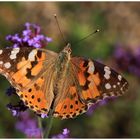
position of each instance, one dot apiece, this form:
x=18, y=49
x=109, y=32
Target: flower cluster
x=128, y=60
x=15, y=109
x=28, y=126
x=64, y=134
x=30, y=37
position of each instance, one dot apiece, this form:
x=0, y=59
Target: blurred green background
x=118, y=23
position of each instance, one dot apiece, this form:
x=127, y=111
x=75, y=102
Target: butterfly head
x=67, y=49
x=66, y=52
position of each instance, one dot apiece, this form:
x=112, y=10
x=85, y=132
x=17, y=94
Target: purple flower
x=26, y=33
x=30, y=37
x=100, y=103
x=33, y=133
x=127, y=60
x=27, y=125
x=44, y=116
x=27, y=25
x=65, y=131
x=10, y=91
x=48, y=39
x=14, y=112
x=16, y=109
x=64, y=134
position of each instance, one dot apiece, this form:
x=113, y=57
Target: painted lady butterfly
x=67, y=85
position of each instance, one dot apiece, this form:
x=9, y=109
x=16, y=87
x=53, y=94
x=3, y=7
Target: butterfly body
x=62, y=63
x=67, y=85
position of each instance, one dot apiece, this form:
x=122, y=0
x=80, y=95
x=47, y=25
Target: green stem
x=49, y=126
x=40, y=126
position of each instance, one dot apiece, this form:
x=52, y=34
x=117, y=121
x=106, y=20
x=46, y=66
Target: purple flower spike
x=100, y=103
x=30, y=37
x=37, y=28
x=64, y=134
x=14, y=112
x=26, y=33
x=127, y=60
x=48, y=39
x=27, y=25
x=44, y=116
x=28, y=125
x=8, y=37
x=10, y=91
x=33, y=133
x=66, y=131
x=15, y=45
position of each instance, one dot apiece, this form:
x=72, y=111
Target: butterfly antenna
x=94, y=32
x=55, y=16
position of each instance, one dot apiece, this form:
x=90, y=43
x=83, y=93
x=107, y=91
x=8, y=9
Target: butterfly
x=58, y=83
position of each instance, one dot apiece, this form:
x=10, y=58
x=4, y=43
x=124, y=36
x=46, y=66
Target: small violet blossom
x=100, y=103
x=64, y=134
x=127, y=60
x=28, y=125
x=30, y=37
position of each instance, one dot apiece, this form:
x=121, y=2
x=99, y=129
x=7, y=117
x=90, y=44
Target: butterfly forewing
x=30, y=71
x=97, y=80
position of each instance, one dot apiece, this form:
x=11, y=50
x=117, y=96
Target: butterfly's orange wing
x=89, y=82
x=30, y=71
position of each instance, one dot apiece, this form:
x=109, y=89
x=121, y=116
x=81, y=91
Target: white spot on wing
x=106, y=68
x=119, y=77
x=121, y=88
x=7, y=65
x=118, y=83
x=107, y=72
x=32, y=54
x=91, y=67
x=14, y=53
x=1, y=51
x=107, y=86
x=114, y=86
x=1, y=62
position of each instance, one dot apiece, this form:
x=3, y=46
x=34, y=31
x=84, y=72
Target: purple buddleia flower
x=30, y=37
x=64, y=134
x=28, y=125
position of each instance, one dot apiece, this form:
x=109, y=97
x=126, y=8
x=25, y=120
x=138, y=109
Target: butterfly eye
x=69, y=50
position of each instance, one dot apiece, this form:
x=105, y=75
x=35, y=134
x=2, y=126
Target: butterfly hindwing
x=70, y=105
